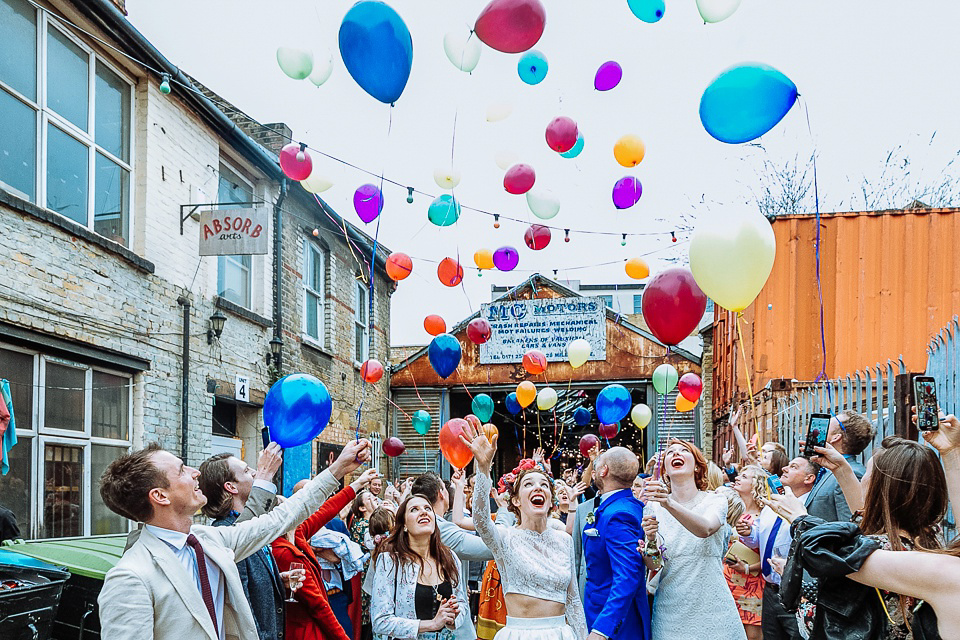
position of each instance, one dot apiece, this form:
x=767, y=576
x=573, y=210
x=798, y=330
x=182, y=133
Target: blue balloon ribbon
x=377, y=49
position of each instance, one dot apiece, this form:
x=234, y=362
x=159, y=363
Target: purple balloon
x=506, y=258
x=368, y=201
x=608, y=76
x=626, y=192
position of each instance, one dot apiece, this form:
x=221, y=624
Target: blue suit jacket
x=616, y=602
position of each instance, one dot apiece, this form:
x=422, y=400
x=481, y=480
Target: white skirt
x=552, y=628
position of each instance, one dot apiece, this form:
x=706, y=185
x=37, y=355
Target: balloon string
x=412, y=377
x=460, y=378
x=539, y=431
x=746, y=370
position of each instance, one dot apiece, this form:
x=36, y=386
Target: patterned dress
x=747, y=589
x=358, y=532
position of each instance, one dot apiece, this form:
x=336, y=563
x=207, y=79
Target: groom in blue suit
x=616, y=591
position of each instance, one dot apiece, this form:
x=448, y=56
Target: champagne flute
x=296, y=566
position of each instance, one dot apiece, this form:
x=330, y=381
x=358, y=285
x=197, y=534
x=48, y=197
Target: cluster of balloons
x=689, y=386
x=300, y=64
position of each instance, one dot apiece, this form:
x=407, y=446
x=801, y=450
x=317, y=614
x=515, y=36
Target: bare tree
x=785, y=189
x=902, y=185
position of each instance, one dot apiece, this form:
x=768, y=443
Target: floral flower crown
x=507, y=479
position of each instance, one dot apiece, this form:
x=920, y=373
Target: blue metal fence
x=943, y=364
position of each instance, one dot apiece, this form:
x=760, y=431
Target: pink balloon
x=519, y=179
x=608, y=76
x=368, y=202
x=690, y=386
x=506, y=258
x=295, y=163
x=537, y=236
x=562, y=134
x=479, y=331
x=511, y=26
x=626, y=192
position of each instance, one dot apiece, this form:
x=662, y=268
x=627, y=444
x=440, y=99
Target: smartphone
x=774, y=484
x=816, y=433
x=265, y=436
x=925, y=399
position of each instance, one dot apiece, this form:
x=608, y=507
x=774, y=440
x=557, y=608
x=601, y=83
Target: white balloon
x=546, y=399
x=296, y=63
x=462, y=49
x=499, y=111
x=447, y=178
x=316, y=183
x=322, y=68
x=543, y=203
x=506, y=159
x=717, y=10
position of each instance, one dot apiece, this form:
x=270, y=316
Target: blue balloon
x=575, y=149
x=532, y=67
x=512, y=405
x=296, y=410
x=444, y=354
x=746, y=101
x=647, y=10
x=377, y=49
x=613, y=404
x=581, y=416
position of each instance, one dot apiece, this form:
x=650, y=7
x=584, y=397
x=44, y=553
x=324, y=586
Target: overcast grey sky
x=873, y=74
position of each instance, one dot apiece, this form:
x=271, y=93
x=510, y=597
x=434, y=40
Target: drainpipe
x=278, y=270
x=185, y=379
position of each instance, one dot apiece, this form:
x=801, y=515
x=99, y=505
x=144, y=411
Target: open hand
x=726, y=458
x=483, y=450
x=577, y=490
x=269, y=462
x=947, y=437
x=594, y=452
x=353, y=455
x=458, y=480
x=538, y=454
x=788, y=505
x=364, y=480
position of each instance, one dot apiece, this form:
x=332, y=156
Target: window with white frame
x=65, y=123
x=72, y=420
x=234, y=273
x=314, y=291
x=360, y=339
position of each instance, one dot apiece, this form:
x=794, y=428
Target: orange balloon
x=450, y=272
x=637, y=268
x=399, y=266
x=629, y=151
x=490, y=430
x=534, y=362
x=434, y=325
x=452, y=448
x=483, y=259
x=683, y=405
x=526, y=393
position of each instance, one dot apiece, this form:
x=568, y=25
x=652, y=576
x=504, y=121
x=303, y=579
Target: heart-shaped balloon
x=421, y=422
x=673, y=305
x=511, y=26
x=444, y=354
x=733, y=284
x=377, y=49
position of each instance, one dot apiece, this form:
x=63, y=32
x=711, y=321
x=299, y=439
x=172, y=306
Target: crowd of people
x=761, y=546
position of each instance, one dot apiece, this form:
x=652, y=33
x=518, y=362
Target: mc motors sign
x=230, y=232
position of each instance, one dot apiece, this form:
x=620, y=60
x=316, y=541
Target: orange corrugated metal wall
x=890, y=281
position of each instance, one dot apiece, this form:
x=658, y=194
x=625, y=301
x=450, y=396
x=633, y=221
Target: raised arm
x=263, y=496
x=933, y=577
x=459, y=500
x=483, y=452
x=832, y=460
x=946, y=440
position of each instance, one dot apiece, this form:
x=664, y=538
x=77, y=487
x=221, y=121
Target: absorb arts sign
x=548, y=325
x=229, y=232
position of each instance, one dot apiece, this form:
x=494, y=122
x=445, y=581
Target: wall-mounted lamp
x=217, y=320
x=276, y=348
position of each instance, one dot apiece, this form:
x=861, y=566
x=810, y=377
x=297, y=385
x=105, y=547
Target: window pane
x=110, y=214
x=638, y=304
x=16, y=491
x=315, y=270
x=110, y=406
x=113, y=113
x=102, y=520
x=233, y=279
x=313, y=328
x=232, y=188
x=18, y=33
x=63, y=407
x=17, y=368
x=361, y=311
x=62, y=491
x=67, y=79
x=224, y=419
x=360, y=339
x=18, y=145
x=67, y=164
x=608, y=301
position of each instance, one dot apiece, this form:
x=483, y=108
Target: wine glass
x=296, y=566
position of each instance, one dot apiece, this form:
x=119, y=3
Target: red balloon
x=399, y=266
x=534, y=362
x=474, y=422
x=562, y=134
x=690, y=386
x=450, y=272
x=511, y=26
x=434, y=325
x=519, y=179
x=673, y=305
x=393, y=446
x=537, y=236
x=588, y=442
x=371, y=371
x=453, y=450
x=609, y=431
x=479, y=331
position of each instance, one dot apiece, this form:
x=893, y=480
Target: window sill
x=308, y=341
x=69, y=226
x=237, y=310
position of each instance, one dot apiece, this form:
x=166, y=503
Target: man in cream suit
x=180, y=580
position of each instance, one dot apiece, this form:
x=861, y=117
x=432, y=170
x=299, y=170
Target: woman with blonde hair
x=745, y=581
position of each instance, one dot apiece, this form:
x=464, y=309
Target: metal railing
x=943, y=364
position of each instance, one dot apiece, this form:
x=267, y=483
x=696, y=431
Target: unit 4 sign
x=227, y=232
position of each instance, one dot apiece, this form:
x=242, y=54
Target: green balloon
x=482, y=406
x=421, y=422
x=444, y=211
x=665, y=378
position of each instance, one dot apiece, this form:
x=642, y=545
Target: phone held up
x=925, y=400
x=816, y=433
x=265, y=435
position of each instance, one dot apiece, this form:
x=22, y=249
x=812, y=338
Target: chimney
x=273, y=135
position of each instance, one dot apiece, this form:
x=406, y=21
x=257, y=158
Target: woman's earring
x=404, y=528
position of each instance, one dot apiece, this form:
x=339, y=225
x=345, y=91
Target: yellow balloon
x=316, y=183
x=731, y=257
x=483, y=259
x=526, y=393
x=578, y=352
x=629, y=151
x=683, y=405
x=637, y=268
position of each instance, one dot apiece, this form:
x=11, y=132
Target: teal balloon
x=421, y=422
x=665, y=378
x=575, y=149
x=613, y=403
x=512, y=405
x=647, y=10
x=532, y=67
x=482, y=407
x=444, y=211
x=377, y=49
x=746, y=101
x=297, y=408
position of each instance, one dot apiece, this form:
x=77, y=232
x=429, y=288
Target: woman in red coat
x=311, y=618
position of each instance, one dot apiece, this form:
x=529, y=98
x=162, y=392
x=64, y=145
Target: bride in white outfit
x=535, y=560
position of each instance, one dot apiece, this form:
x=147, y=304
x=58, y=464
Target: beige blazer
x=149, y=594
